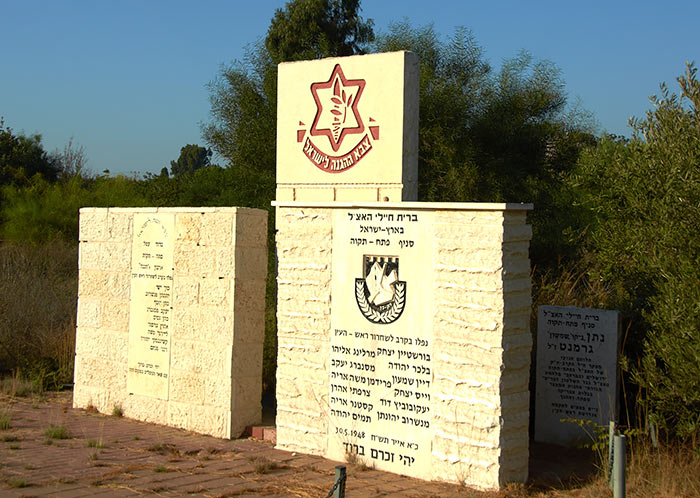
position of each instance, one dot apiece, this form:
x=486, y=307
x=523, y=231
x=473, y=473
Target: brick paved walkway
x=111, y=456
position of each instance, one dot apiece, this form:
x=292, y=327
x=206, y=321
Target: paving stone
x=200, y=465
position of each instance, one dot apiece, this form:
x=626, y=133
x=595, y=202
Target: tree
x=70, y=161
x=493, y=136
x=244, y=108
x=313, y=29
x=244, y=96
x=644, y=200
x=22, y=157
x=192, y=158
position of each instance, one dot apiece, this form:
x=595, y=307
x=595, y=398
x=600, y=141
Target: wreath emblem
x=380, y=295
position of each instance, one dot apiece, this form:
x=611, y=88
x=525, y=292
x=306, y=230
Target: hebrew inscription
x=150, y=310
x=576, y=371
x=381, y=370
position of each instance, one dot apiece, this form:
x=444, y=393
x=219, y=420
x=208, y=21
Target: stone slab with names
x=382, y=338
x=347, y=128
x=150, y=311
x=170, y=323
x=403, y=337
x=576, y=373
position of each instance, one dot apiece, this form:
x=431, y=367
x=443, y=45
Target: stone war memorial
x=403, y=327
x=576, y=374
x=170, y=315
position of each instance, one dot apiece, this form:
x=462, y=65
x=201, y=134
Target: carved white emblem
x=380, y=295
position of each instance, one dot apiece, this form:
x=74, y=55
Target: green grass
x=57, y=432
x=117, y=411
x=160, y=468
x=17, y=483
x=8, y=438
x=5, y=420
x=93, y=443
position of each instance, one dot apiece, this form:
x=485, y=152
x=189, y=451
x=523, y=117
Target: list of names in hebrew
x=381, y=371
x=576, y=371
x=150, y=310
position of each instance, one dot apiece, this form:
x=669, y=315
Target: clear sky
x=127, y=79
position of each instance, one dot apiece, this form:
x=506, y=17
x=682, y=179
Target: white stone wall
x=482, y=347
x=217, y=328
x=481, y=338
x=303, y=328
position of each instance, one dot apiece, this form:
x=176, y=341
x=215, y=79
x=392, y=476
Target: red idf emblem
x=337, y=120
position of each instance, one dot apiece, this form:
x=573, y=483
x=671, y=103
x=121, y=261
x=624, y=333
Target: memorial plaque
x=347, y=128
x=150, y=309
x=381, y=338
x=576, y=371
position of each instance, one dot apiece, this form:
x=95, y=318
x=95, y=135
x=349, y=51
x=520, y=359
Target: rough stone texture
x=217, y=330
x=481, y=337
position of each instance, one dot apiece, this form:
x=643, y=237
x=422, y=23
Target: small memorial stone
x=576, y=372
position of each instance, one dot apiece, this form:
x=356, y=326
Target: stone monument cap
x=347, y=128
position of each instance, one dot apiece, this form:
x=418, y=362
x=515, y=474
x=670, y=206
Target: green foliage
x=192, y=158
x=21, y=158
x=17, y=483
x=244, y=96
x=243, y=106
x=313, y=29
x=494, y=137
x=644, y=197
x=42, y=211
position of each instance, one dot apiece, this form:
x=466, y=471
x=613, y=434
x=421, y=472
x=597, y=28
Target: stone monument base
x=403, y=337
x=170, y=320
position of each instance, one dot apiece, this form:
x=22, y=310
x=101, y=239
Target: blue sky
x=127, y=80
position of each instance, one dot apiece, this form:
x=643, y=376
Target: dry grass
x=666, y=472
x=570, y=285
x=38, y=292
x=671, y=471
x=14, y=385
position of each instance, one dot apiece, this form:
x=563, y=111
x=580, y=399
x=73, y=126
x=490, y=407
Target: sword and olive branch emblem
x=380, y=295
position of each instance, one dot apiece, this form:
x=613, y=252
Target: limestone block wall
x=216, y=322
x=481, y=340
x=303, y=328
x=482, y=347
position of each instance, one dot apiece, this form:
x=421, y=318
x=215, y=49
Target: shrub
x=645, y=198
